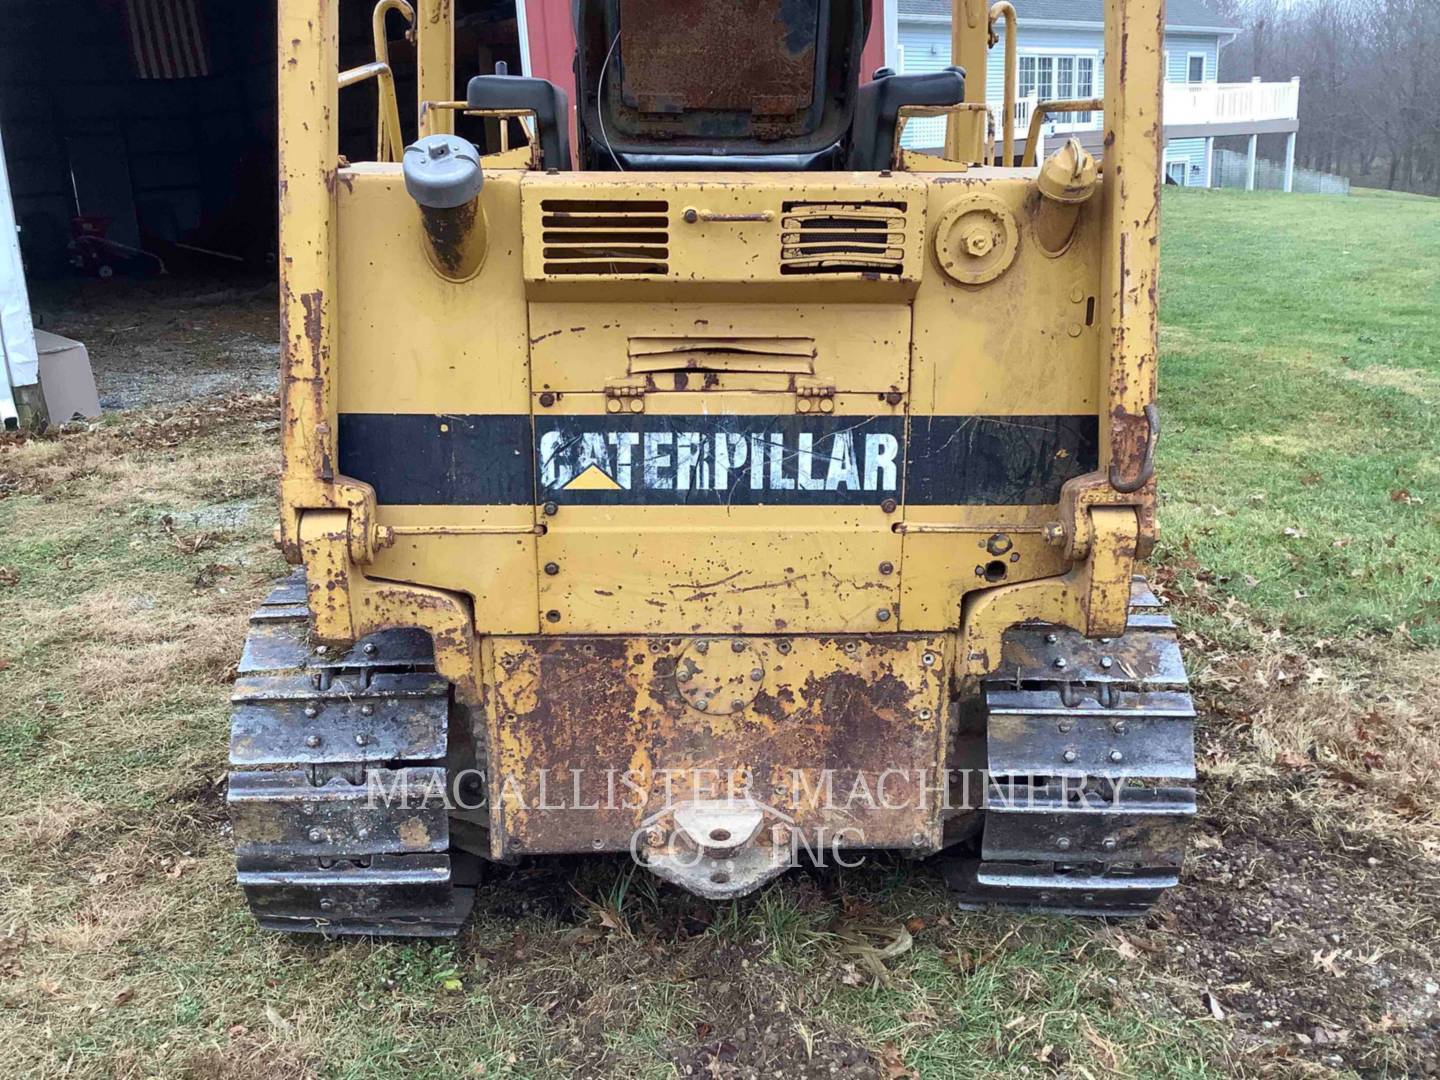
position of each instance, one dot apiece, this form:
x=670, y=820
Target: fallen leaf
x=275, y=1020
x=1213, y=1004
x=123, y=997
x=1326, y=961
x=893, y=1062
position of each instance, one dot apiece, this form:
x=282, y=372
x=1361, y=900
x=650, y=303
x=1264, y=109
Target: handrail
x=1044, y=109
x=387, y=122
x=1004, y=9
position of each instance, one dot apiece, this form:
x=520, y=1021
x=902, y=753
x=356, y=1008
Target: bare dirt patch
x=169, y=340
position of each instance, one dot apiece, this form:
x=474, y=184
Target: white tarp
x=17, y=333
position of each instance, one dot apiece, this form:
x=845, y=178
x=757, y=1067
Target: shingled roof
x=1177, y=12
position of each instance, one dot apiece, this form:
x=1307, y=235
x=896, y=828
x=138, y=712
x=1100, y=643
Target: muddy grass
x=1303, y=940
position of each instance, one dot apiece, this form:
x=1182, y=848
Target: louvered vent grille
x=605, y=237
x=843, y=238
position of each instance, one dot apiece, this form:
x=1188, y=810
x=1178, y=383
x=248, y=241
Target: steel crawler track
x=1090, y=750
x=316, y=742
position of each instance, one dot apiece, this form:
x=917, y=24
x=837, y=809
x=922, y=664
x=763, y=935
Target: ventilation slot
x=843, y=238
x=605, y=237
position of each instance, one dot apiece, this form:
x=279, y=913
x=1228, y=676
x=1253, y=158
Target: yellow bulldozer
x=710, y=472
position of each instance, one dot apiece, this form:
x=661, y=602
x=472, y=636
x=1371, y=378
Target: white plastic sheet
x=17, y=332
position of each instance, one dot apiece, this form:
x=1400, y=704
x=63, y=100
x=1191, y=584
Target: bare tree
x=1369, y=76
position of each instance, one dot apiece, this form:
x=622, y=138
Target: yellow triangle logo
x=593, y=478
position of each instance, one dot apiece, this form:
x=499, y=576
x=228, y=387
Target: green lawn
x=1300, y=378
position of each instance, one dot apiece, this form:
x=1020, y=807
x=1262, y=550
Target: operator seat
x=540, y=96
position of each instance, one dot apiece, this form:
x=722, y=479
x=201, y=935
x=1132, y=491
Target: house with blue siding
x=1061, y=53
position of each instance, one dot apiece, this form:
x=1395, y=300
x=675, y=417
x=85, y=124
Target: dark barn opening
x=140, y=134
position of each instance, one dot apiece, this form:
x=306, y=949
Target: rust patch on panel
x=593, y=736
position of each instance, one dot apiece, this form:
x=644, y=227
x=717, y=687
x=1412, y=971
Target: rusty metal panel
x=591, y=738
x=752, y=55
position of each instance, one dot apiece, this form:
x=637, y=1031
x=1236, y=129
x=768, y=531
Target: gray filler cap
x=442, y=171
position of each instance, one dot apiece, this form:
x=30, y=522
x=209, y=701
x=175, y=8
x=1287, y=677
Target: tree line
x=1369, y=82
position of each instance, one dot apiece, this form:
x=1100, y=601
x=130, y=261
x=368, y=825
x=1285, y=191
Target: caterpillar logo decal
x=719, y=459
x=515, y=459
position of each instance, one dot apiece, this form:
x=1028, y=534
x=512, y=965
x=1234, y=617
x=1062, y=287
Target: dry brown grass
x=1349, y=732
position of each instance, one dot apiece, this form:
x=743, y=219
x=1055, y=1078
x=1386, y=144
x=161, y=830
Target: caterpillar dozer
x=713, y=471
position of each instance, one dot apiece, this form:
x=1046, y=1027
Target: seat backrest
x=745, y=83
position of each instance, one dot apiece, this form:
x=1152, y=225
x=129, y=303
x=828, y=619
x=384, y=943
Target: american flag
x=166, y=39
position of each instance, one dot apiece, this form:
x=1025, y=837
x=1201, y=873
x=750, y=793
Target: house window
x=1058, y=78
x=1084, y=84
x=1175, y=170
x=1195, y=67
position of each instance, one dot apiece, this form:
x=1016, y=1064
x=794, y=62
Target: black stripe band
x=653, y=459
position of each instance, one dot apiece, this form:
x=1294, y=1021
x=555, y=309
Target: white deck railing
x=1191, y=105
x=1231, y=103
x=1188, y=104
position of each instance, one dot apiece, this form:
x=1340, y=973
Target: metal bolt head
x=321, y=650
x=312, y=741
x=547, y=399
x=1118, y=726
x=1109, y=843
x=702, y=646
x=888, y=506
x=1054, y=534
x=1060, y=663
x=597, y=844
x=552, y=568
x=326, y=904
x=976, y=239
x=883, y=614
x=1107, y=662
x=1065, y=726
x=311, y=711
x=362, y=834
x=316, y=835
x=1051, y=639
x=362, y=740
x=736, y=705
x=1116, y=756
x=919, y=840
x=887, y=568
x=737, y=645
x=1063, y=843
x=683, y=675
x=756, y=674
x=1069, y=755
x=550, y=509
x=702, y=704
x=367, y=709
x=371, y=648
